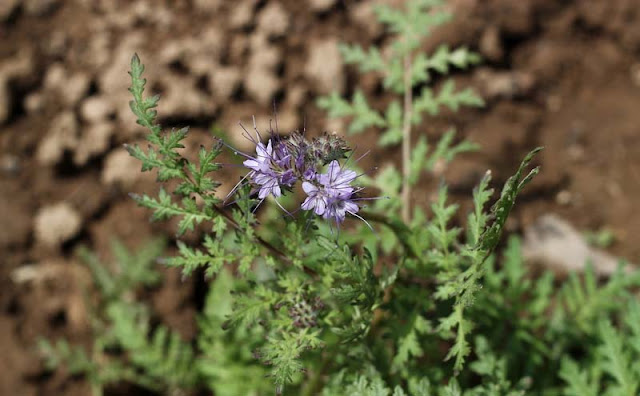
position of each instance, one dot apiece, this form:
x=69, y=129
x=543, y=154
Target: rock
x=223, y=82
x=262, y=85
x=273, y=20
x=321, y=5
x=75, y=88
x=504, y=85
x=120, y=169
x=288, y=121
x=202, y=51
x=242, y=14
x=261, y=82
x=34, y=102
x=55, y=76
x=296, y=95
x=96, y=109
x=363, y=14
x=554, y=244
x=94, y=141
x=491, y=44
x=181, y=98
x=263, y=54
x=324, y=66
x=56, y=224
x=99, y=46
x=70, y=88
x=62, y=135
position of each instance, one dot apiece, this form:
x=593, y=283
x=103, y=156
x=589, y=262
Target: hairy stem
x=406, y=141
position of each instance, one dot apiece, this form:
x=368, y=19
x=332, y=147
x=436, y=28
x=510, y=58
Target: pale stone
x=120, y=169
x=95, y=109
x=94, y=141
x=223, y=82
x=242, y=14
x=273, y=20
x=321, y=5
x=56, y=224
x=555, y=244
x=262, y=85
x=61, y=136
x=324, y=66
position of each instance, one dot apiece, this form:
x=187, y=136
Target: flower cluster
x=282, y=162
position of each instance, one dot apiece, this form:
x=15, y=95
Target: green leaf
x=143, y=108
x=617, y=361
x=501, y=209
x=164, y=208
x=367, y=61
x=335, y=105
x=577, y=381
x=393, y=134
x=418, y=159
x=363, y=116
x=477, y=219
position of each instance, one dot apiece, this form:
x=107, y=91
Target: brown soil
x=562, y=74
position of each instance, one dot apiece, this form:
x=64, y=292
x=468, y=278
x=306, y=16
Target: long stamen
x=235, y=188
x=281, y=207
x=235, y=151
x=361, y=218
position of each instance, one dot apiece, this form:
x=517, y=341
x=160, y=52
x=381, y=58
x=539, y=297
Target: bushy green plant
x=397, y=303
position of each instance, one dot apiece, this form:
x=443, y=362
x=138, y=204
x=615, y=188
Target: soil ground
x=557, y=73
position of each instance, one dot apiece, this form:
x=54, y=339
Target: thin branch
x=406, y=141
x=277, y=252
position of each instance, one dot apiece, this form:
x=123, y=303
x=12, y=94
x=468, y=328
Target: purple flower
x=271, y=169
x=331, y=196
x=279, y=164
x=337, y=180
x=263, y=157
x=316, y=198
x=338, y=208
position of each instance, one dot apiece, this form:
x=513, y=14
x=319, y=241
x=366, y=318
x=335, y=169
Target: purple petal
x=309, y=188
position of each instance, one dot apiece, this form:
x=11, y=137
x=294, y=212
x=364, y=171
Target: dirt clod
x=62, y=135
x=120, y=169
x=324, y=66
x=273, y=20
x=57, y=223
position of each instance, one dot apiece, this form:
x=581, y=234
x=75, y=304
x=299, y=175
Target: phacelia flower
x=270, y=169
x=331, y=196
x=279, y=164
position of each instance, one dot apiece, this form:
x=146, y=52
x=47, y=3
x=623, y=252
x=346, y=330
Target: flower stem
x=406, y=141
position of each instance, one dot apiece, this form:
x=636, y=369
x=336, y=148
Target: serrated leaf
x=393, y=134
x=370, y=60
x=501, y=209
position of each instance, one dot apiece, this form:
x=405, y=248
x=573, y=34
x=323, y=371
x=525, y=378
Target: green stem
x=406, y=141
x=311, y=387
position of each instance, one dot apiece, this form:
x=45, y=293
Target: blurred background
x=556, y=73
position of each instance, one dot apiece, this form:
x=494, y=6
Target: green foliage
x=416, y=306
x=156, y=359
x=409, y=27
